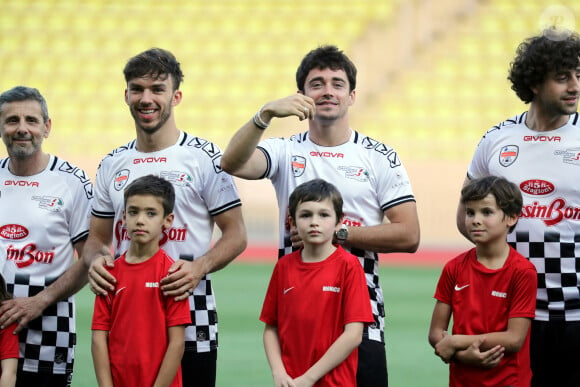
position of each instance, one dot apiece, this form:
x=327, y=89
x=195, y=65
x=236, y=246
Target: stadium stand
x=235, y=53
x=432, y=74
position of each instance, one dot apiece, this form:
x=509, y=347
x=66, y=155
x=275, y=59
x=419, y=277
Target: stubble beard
x=151, y=129
x=20, y=152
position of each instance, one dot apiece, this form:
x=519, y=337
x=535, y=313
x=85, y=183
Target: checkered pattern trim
x=47, y=344
x=201, y=335
x=375, y=331
x=557, y=263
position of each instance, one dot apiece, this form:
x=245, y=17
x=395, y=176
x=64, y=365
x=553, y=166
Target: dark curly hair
x=539, y=55
x=326, y=57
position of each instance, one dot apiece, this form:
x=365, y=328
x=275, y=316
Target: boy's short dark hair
x=315, y=191
x=156, y=63
x=507, y=195
x=24, y=93
x=539, y=55
x=154, y=186
x=326, y=57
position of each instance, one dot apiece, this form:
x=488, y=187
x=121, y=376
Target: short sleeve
x=269, y=313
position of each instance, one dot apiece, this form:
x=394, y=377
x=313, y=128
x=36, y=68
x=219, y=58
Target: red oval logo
x=13, y=231
x=537, y=187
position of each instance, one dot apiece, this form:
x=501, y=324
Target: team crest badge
x=298, y=165
x=508, y=155
x=121, y=179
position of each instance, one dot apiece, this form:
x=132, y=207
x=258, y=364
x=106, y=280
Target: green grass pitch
x=240, y=289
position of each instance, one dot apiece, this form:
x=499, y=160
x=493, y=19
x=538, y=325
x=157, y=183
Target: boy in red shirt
x=8, y=346
x=136, y=317
x=317, y=302
x=491, y=292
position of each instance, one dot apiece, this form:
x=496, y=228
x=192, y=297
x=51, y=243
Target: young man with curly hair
x=539, y=150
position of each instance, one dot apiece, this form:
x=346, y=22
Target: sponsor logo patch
x=13, y=231
x=355, y=173
x=28, y=254
x=176, y=177
x=332, y=289
x=551, y=213
x=49, y=203
x=569, y=156
x=537, y=187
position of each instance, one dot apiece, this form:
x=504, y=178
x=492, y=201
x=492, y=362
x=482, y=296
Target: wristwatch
x=341, y=235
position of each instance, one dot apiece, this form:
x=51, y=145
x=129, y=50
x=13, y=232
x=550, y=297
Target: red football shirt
x=137, y=316
x=482, y=301
x=310, y=303
x=8, y=343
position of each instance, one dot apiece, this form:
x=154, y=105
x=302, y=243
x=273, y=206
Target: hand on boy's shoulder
x=20, y=310
x=182, y=278
x=101, y=281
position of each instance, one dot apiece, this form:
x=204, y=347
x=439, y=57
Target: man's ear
x=177, y=97
x=48, y=126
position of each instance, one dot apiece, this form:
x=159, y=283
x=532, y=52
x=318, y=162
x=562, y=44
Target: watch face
x=342, y=234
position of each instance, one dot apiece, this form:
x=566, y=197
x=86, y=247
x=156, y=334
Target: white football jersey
x=202, y=191
x=369, y=176
x=546, y=167
x=42, y=216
